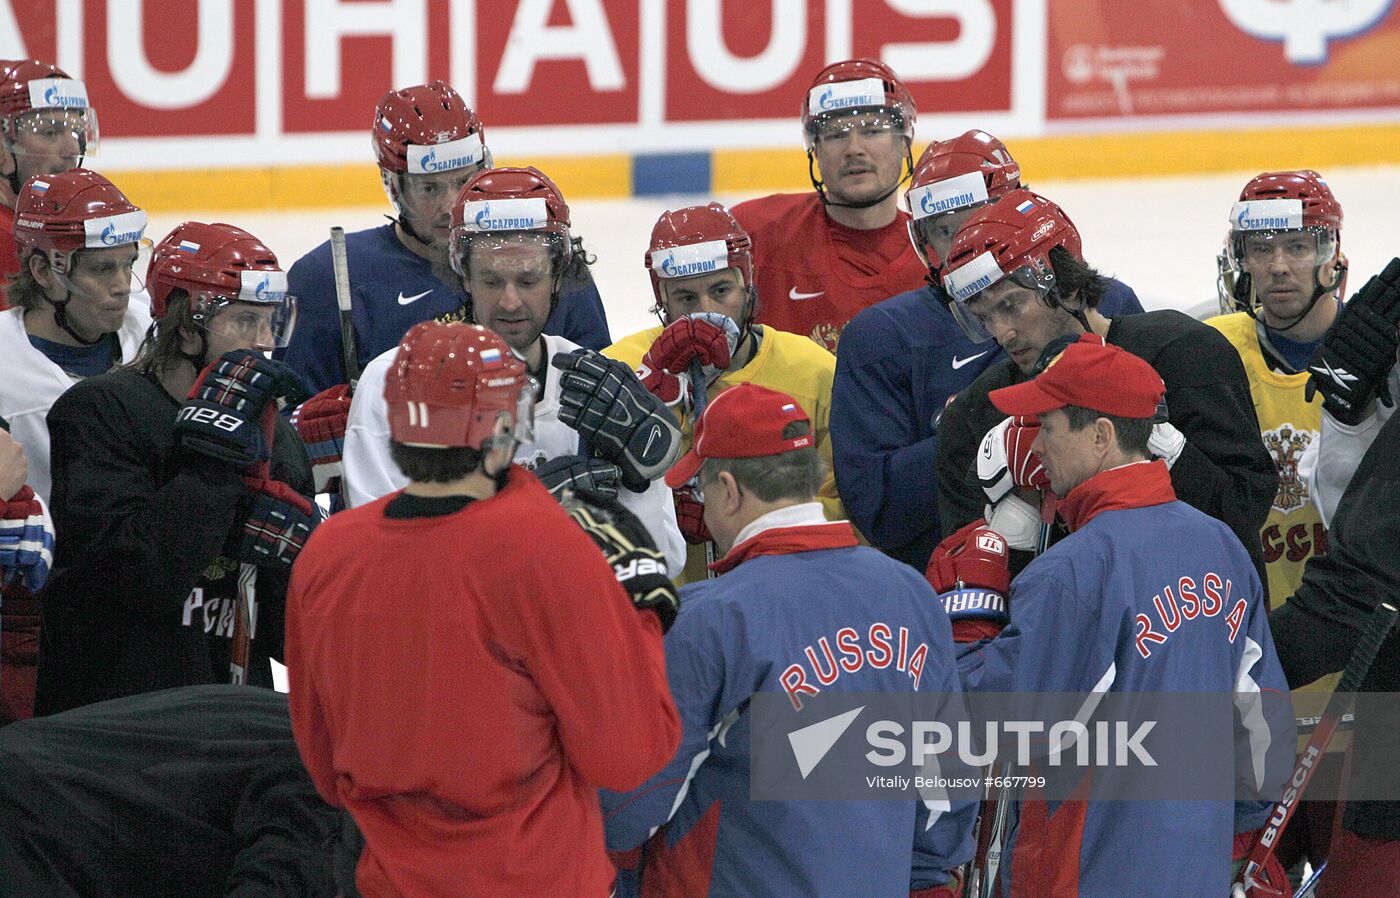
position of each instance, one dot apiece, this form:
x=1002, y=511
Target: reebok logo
x=1340, y=376
x=793, y=294
x=811, y=743
x=958, y=363
x=405, y=300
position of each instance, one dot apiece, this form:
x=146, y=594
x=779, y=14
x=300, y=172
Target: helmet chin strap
x=1319, y=290
x=60, y=317
x=820, y=185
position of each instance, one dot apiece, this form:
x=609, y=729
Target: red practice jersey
x=813, y=274
x=464, y=684
x=9, y=252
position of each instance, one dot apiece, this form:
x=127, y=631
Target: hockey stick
x=698, y=398
x=349, y=349
x=1374, y=633
x=1308, y=888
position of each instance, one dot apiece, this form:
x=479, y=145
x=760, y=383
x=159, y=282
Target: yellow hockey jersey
x=786, y=362
x=1294, y=531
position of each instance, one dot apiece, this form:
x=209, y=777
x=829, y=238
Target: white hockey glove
x=1166, y=442
x=1004, y=460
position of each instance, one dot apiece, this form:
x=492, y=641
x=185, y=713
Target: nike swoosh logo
x=655, y=432
x=405, y=300
x=958, y=363
x=793, y=294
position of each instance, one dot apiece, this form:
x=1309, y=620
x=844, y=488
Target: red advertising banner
x=1126, y=58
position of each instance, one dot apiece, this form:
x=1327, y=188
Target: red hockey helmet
x=851, y=87
x=37, y=97
x=953, y=176
x=503, y=201
x=218, y=264
x=697, y=240
x=450, y=384
x=1010, y=238
x=74, y=210
x=1273, y=204
x=425, y=129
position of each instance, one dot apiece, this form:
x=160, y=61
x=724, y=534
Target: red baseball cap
x=745, y=421
x=1089, y=374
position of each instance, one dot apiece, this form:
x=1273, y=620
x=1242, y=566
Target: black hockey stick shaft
x=1377, y=628
x=698, y=398
x=348, y=346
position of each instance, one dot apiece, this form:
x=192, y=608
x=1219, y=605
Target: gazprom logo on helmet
x=454, y=154
x=687, y=261
x=846, y=95
x=967, y=281
x=506, y=215
x=114, y=230
x=262, y=286
x=1267, y=215
x=948, y=195
x=60, y=93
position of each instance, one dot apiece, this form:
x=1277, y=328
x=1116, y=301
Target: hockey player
x=902, y=359
x=196, y=792
x=26, y=554
x=701, y=262
x=819, y=258
x=1088, y=616
x=428, y=144
x=179, y=517
x=596, y=426
x=461, y=718
x=1281, y=276
x=46, y=127
x=788, y=579
x=73, y=313
x=1016, y=273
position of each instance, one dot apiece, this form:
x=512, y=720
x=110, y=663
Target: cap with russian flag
x=745, y=421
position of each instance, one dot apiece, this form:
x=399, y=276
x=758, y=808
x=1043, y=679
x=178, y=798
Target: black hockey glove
x=604, y=401
x=579, y=472
x=1351, y=365
x=278, y=524
x=223, y=414
x=629, y=548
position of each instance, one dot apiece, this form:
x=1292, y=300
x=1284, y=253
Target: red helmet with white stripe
x=952, y=176
x=427, y=128
x=697, y=240
x=451, y=384
x=853, y=86
x=502, y=201
x=1008, y=239
x=73, y=210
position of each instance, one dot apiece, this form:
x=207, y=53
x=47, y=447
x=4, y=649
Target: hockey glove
x=690, y=516
x=638, y=566
x=707, y=337
x=26, y=541
x=222, y=417
x=579, y=472
x=320, y=421
x=623, y=423
x=278, y=524
x=1005, y=460
x=950, y=889
x=1351, y=365
x=1271, y=873
x=1166, y=442
x=971, y=572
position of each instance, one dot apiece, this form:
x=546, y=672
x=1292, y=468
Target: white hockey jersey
x=370, y=472
x=32, y=383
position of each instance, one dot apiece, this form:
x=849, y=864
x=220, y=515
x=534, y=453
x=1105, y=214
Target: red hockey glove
x=1273, y=874
x=320, y=421
x=1005, y=460
x=971, y=572
x=26, y=543
x=692, y=337
x=950, y=889
x=278, y=525
x=690, y=516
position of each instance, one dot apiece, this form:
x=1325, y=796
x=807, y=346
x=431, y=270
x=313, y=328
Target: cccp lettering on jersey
x=1183, y=603
x=820, y=668
x=1294, y=543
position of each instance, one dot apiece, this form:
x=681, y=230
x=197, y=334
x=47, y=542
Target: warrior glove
x=971, y=571
x=1005, y=461
x=579, y=473
x=707, y=337
x=1349, y=369
x=635, y=561
x=222, y=416
x=622, y=421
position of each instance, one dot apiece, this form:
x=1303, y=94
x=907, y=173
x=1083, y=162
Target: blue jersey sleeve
x=1119, y=299
x=695, y=670
x=943, y=828
x=315, y=348
x=1266, y=731
x=579, y=317
x=884, y=466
